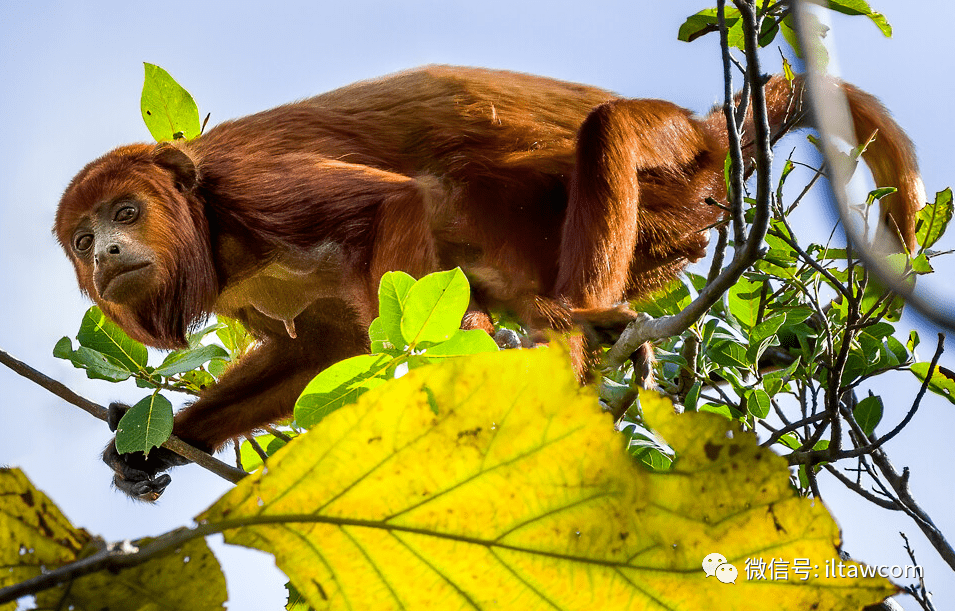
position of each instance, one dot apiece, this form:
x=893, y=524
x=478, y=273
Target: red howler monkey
x=558, y=200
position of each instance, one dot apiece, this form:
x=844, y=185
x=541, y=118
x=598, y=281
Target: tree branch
x=204, y=460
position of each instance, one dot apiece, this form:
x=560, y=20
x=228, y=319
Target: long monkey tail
x=890, y=155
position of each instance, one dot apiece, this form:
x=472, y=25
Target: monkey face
x=139, y=244
x=109, y=246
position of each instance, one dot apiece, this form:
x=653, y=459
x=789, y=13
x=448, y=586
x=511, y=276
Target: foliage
x=803, y=327
x=419, y=323
x=37, y=537
x=778, y=19
x=432, y=492
x=107, y=353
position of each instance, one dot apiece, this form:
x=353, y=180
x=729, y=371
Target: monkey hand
x=138, y=474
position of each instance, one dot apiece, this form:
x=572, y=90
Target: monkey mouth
x=125, y=283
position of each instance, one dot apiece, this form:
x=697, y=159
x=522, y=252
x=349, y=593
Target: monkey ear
x=179, y=163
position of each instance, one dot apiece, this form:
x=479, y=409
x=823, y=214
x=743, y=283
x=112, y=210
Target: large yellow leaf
x=496, y=482
x=35, y=537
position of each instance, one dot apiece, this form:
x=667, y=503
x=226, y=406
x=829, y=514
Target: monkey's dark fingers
x=507, y=339
x=137, y=474
x=148, y=490
x=114, y=414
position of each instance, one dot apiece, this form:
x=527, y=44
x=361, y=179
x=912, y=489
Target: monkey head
x=139, y=241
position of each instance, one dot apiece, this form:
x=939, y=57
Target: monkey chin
x=126, y=286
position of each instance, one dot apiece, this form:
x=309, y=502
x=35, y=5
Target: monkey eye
x=83, y=242
x=126, y=214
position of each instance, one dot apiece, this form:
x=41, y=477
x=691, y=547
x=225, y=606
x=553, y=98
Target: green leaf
x=182, y=361
x=199, y=380
x=217, y=367
x=774, y=381
x=877, y=194
x=670, y=300
x=897, y=349
x=233, y=336
x=767, y=33
x=860, y=7
x=788, y=29
x=464, y=341
x=758, y=402
x=942, y=382
x=729, y=354
x=763, y=335
x=434, y=307
x=63, y=349
x=392, y=292
x=339, y=385
x=921, y=265
x=744, y=297
x=251, y=460
x=692, y=397
x=99, y=333
x=168, y=109
x=98, y=366
x=868, y=413
x=650, y=455
x=914, y=341
x=790, y=441
x=934, y=219
x=195, y=339
x=707, y=21
x=145, y=426
x=378, y=337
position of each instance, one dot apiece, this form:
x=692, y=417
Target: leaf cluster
x=800, y=330
x=106, y=352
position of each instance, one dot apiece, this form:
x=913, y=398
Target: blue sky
x=71, y=75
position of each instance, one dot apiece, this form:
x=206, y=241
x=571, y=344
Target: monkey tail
x=890, y=155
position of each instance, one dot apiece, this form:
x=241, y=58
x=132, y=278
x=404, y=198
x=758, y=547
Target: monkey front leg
x=259, y=389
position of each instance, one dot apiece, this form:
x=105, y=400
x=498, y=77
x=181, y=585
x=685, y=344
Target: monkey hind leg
x=632, y=156
x=635, y=159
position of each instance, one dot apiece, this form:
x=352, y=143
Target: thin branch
x=732, y=130
x=777, y=435
x=918, y=397
x=719, y=253
x=920, y=594
x=58, y=389
x=277, y=433
x=886, y=503
x=255, y=446
x=204, y=460
x=809, y=260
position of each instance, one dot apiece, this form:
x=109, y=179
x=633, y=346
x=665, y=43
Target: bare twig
x=920, y=594
x=732, y=129
x=884, y=502
x=258, y=448
x=791, y=427
x=277, y=433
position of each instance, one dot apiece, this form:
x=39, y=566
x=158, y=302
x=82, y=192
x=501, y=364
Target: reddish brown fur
x=555, y=198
